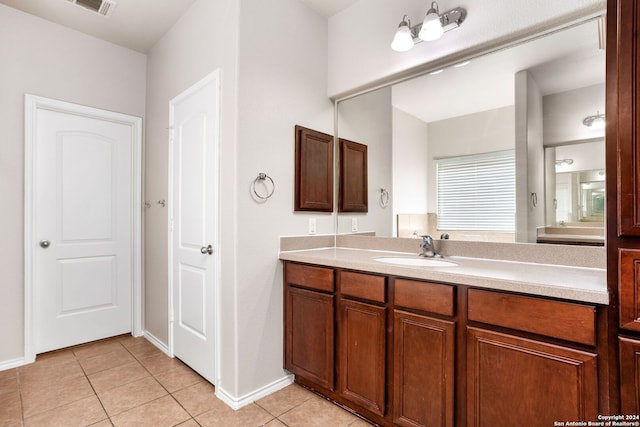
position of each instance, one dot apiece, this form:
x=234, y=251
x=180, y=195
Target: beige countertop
x=583, y=284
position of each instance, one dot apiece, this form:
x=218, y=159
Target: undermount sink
x=420, y=262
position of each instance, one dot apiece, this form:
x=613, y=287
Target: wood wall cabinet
x=511, y=379
x=313, y=170
x=623, y=104
x=623, y=201
x=353, y=194
x=309, y=323
x=629, y=289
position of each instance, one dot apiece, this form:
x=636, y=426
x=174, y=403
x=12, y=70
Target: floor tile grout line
x=191, y=416
x=96, y=395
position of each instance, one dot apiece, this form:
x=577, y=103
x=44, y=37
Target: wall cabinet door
x=628, y=288
x=313, y=171
x=423, y=371
x=629, y=376
x=309, y=335
x=362, y=354
x=626, y=108
x=353, y=193
x=511, y=379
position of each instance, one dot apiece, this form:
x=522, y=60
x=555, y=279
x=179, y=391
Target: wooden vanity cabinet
x=629, y=375
x=414, y=353
x=362, y=330
x=511, y=378
x=423, y=354
x=309, y=323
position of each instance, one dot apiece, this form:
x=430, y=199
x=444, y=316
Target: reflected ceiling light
x=432, y=27
x=594, y=122
x=433, y=73
x=461, y=64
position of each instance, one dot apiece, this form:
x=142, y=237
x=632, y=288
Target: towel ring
x=385, y=198
x=262, y=177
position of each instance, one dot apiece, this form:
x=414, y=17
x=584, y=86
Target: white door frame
x=213, y=76
x=31, y=105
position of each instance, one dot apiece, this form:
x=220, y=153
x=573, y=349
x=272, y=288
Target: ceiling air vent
x=102, y=7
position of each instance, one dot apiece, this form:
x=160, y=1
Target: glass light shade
x=403, y=39
x=431, y=27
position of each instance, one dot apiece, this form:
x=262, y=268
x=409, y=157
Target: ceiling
x=563, y=61
x=135, y=24
x=328, y=8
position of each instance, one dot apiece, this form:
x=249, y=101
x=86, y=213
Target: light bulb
x=403, y=39
x=431, y=27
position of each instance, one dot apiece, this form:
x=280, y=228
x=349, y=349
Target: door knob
x=45, y=244
x=206, y=250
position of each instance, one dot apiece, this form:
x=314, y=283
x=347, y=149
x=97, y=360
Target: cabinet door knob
x=207, y=250
x=45, y=244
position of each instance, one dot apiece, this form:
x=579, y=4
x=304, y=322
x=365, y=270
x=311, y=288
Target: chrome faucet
x=428, y=249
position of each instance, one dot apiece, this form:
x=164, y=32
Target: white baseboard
x=238, y=402
x=13, y=363
x=155, y=341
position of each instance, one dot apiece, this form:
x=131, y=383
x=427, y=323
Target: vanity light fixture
x=561, y=162
x=594, y=122
x=431, y=28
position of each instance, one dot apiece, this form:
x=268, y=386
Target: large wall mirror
x=505, y=147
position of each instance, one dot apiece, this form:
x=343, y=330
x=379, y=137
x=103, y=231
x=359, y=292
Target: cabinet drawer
x=366, y=286
x=424, y=296
x=556, y=319
x=319, y=278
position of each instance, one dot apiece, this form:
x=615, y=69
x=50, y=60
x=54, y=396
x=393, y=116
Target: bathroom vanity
x=478, y=341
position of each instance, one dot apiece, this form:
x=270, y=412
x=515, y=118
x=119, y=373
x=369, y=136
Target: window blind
x=477, y=192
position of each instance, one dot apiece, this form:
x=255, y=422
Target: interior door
x=193, y=200
x=83, y=228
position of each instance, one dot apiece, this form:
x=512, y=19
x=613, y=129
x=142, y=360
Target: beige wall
x=270, y=81
x=46, y=59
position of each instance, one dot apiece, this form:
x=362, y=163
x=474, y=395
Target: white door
x=83, y=228
x=193, y=224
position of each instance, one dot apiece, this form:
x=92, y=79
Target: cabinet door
x=626, y=106
x=629, y=286
x=313, y=171
x=511, y=379
x=309, y=335
x=353, y=193
x=424, y=357
x=629, y=376
x=361, y=363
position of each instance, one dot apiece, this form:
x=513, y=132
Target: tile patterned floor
x=126, y=381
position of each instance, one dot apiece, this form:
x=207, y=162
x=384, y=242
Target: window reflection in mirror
x=529, y=98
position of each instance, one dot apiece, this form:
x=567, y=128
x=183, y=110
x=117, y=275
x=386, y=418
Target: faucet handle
x=426, y=240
